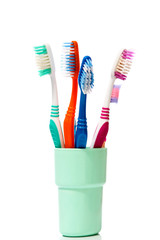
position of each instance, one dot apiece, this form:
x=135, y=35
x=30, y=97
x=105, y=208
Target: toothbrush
x=121, y=71
x=45, y=63
x=86, y=83
x=70, y=65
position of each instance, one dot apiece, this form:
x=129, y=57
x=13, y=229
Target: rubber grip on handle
x=101, y=135
x=81, y=138
x=55, y=134
x=81, y=134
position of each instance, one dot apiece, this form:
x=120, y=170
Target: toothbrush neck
x=108, y=93
x=74, y=93
x=54, y=90
x=82, y=107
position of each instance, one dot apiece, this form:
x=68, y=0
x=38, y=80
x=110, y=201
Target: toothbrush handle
x=101, y=129
x=55, y=127
x=56, y=133
x=101, y=135
x=68, y=124
x=81, y=134
x=68, y=127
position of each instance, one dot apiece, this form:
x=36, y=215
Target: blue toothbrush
x=86, y=83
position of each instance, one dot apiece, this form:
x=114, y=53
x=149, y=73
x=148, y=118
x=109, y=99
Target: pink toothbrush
x=121, y=71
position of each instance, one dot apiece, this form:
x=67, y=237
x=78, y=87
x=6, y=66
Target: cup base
x=90, y=235
x=80, y=211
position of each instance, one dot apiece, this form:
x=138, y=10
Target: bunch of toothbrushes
x=76, y=136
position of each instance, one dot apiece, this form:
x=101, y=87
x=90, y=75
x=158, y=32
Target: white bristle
x=124, y=66
x=125, y=62
x=86, y=78
x=43, y=61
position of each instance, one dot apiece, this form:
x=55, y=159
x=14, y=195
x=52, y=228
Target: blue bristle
x=68, y=44
x=86, y=76
x=68, y=64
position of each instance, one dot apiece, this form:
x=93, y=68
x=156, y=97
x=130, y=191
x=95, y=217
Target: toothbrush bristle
x=70, y=59
x=115, y=94
x=86, y=77
x=124, y=64
x=42, y=60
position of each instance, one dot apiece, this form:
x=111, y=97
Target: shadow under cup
x=80, y=175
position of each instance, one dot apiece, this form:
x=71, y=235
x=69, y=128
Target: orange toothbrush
x=70, y=64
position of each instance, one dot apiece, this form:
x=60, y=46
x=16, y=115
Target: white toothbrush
x=45, y=62
x=121, y=71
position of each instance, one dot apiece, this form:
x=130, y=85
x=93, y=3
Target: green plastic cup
x=80, y=175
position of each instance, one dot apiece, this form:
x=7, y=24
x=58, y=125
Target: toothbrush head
x=124, y=64
x=86, y=77
x=70, y=59
x=115, y=94
x=44, y=59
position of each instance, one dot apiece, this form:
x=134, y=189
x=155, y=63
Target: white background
x=28, y=194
